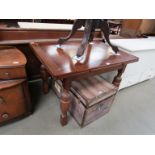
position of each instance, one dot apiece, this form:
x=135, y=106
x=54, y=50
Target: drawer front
x=12, y=73
x=98, y=110
x=11, y=103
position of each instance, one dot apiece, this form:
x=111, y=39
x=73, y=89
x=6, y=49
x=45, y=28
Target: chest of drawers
x=14, y=94
x=12, y=64
x=14, y=99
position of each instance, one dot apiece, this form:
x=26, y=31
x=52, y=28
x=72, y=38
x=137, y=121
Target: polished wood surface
x=12, y=73
x=19, y=34
x=24, y=41
x=60, y=62
x=12, y=63
x=33, y=64
x=11, y=57
x=9, y=84
x=14, y=100
x=14, y=94
x=20, y=38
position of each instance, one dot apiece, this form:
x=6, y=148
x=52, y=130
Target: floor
x=133, y=112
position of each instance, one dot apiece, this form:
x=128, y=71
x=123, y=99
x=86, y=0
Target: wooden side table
x=61, y=64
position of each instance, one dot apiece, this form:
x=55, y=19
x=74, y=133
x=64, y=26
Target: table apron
x=90, y=72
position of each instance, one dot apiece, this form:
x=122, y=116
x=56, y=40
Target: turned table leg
x=118, y=78
x=65, y=101
x=44, y=76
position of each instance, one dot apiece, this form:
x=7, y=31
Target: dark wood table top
x=60, y=61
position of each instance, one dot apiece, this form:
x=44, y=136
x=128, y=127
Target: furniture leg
x=65, y=101
x=44, y=76
x=117, y=79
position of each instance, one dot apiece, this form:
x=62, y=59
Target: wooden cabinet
x=130, y=28
x=14, y=99
x=12, y=63
x=14, y=94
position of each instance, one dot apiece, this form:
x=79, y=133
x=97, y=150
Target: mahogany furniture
x=12, y=63
x=61, y=64
x=92, y=98
x=14, y=94
x=20, y=38
x=14, y=100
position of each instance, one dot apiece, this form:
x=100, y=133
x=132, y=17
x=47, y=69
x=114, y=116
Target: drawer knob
x=1, y=100
x=5, y=115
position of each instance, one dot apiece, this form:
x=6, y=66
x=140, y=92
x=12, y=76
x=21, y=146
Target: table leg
x=65, y=101
x=118, y=78
x=44, y=76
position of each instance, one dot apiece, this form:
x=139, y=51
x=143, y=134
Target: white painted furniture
x=30, y=25
x=143, y=48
